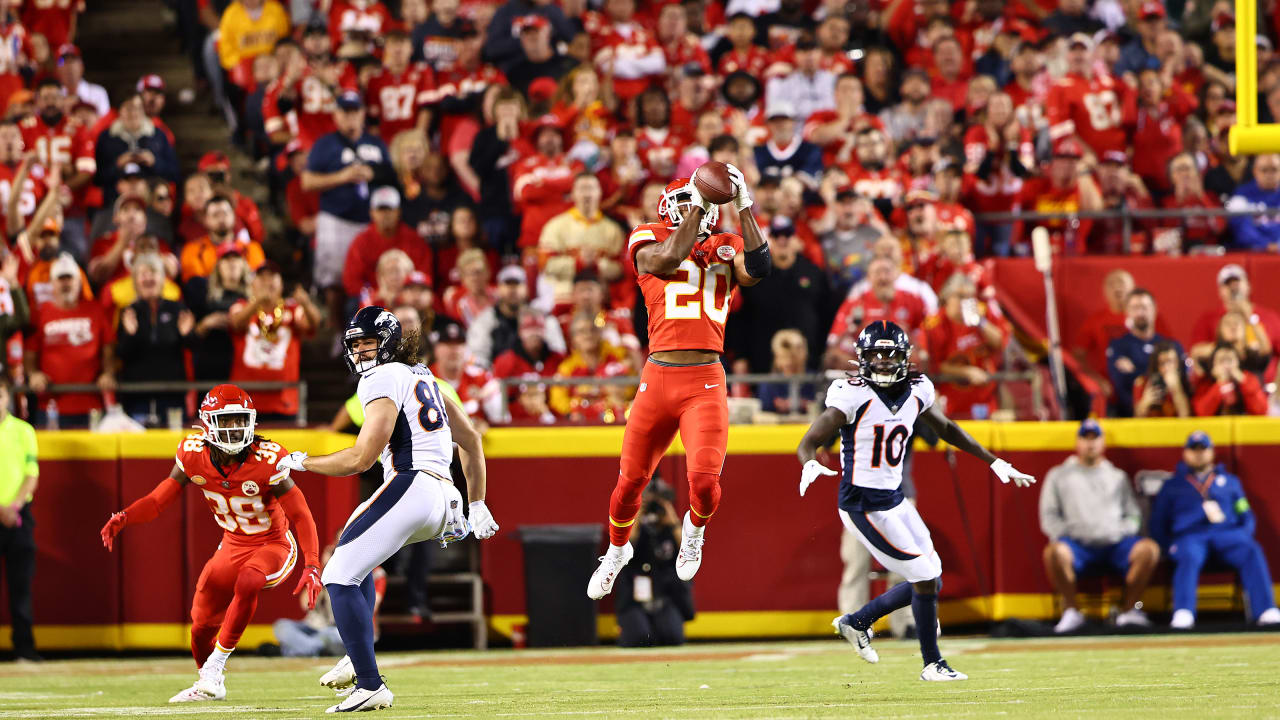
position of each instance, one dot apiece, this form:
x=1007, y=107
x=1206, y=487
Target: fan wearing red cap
x=541, y=64
x=398, y=95
x=152, y=90
x=1090, y=108
x=1062, y=190
x=217, y=167
x=541, y=182
x=386, y=232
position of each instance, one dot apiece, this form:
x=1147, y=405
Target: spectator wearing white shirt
x=808, y=88
x=71, y=75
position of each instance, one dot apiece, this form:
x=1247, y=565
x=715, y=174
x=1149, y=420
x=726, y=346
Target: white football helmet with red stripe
x=675, y=203
x=229, y=418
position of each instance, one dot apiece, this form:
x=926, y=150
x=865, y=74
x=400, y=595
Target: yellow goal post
x=1247, y=137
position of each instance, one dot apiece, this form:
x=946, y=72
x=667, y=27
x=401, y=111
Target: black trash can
x=558, y=562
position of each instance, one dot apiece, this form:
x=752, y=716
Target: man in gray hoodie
x=1091, y=516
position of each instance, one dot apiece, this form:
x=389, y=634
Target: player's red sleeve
x=304, y=526
x=148, y=507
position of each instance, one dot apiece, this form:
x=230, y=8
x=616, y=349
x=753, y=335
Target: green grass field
x=1144, y=676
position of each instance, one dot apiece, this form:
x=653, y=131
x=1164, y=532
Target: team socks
x=925, y=609
x=898, y=596
x=353, y=613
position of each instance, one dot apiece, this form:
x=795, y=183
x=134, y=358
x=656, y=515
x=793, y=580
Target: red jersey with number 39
x=240, y=500
x=689, y=307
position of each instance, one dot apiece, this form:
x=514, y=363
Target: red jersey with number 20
x=240, y=500
x=689, y=307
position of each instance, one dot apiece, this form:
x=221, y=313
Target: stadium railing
x=1128, y=215
x=166, y=386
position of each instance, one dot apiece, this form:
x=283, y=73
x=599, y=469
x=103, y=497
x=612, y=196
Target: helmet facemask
x=229, y=428
x=353, y=356
x=676, y=205
x=883, y=366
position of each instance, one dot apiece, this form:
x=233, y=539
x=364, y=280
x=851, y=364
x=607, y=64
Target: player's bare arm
x=146, y=508
x=470, y=449
x=664, y=258
x=956, y=436
x=379, y=421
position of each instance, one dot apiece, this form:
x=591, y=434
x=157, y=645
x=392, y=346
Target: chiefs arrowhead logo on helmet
x=229, y=418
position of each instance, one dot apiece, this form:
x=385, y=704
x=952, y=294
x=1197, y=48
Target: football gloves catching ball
x=741, y=196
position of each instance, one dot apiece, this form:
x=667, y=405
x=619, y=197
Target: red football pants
x=227, y=591
x=689, y=399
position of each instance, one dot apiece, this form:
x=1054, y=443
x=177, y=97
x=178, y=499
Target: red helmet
x=229, y=418
x=676, y=200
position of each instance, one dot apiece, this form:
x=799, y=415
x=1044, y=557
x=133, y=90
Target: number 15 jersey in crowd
x=421, y=438
x=875, y=438
x=689, y=307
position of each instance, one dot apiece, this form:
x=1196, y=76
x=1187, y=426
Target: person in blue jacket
x=1200, y=513
x=1260, y=232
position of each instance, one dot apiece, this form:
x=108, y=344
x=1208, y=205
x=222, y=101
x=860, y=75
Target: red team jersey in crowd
x=838, y=152
x=883, y=184
x=50, y=18
x=1040, y=196
x=630, y=51
x=1093, y=109
x=395, y=99
x=857, y=311
x=33, y=190
x=753, y=62
x=540, y=186
x=689, y=307
x=270, y=350
x=948, y=341
x=240, y=500
x=68, y=345
x=63, y=144
x=659, y=150
x=313, y=107
x=371, y=17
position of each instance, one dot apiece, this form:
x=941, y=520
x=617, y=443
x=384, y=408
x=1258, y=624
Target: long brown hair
x=409, y=351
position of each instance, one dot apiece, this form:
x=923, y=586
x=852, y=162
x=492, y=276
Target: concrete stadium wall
x=772, y=558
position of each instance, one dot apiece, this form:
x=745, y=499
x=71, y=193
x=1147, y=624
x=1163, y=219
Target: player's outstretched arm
x=471, y=452
x=663, y=258
x=755, y=263
x=146, y=508
x=819, y=434
x=955, y=435
x=304, y=526
x=379, y=421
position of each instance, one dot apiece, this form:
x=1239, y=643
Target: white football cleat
x=1072, y=620
x=209, y=686
x=1183, y=619
x=859, y=639
x=941, y=672
x=343, y=675
x=1133, y=617
x=690, y=557
x=611, y=563
x=1270, y=616
x=361, y=700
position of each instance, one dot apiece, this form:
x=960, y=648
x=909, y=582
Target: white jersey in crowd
x=421, y=439
x=875, y=438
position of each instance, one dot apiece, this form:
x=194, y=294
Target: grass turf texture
x=1142, y=676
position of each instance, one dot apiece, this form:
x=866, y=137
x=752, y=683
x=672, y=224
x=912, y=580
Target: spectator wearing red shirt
x=965, y=341
x=1089, y=345
x=836, y=131
x=1157, y=132
x=540, y=183
x=881, y=301
x=56, y=20
x=357, y=24
x=1063, y=190
x=472, y=295
x=950, y=82
x=1122, y=190
x=480, y=394
x=1228, y=390
x=16, y=59
x=217, y=167
x=266, y=334
x=743, y=53
x=955, y=255
x=1188, y=193
x=1234, y=290
x=71, y=343
x=398, y=95
x=1090, y=108
x=627, y=52
x=384, y=233
x=680, y=47
x=531, y=358
x=303, y=206
x=658, y=143
x=112, y=254
x=998, y=154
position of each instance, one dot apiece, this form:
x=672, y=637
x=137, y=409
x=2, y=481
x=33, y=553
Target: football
x=713, y=181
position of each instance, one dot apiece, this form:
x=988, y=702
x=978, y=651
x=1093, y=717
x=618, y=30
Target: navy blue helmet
x=884, y=353
x=371, y=322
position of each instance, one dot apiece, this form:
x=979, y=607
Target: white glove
x=741, y=196
x=482, y=524
x=811, y=471
x=698, y=200
x=292, y=461
x=1006, y=472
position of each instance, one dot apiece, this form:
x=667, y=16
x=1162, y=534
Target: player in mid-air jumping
x=875, y=411
x=255, y=504
x=411, y=427
x=687, y=273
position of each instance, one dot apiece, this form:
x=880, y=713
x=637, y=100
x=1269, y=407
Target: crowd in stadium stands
x=482, y=161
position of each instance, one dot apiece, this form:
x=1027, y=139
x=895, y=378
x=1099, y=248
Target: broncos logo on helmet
x=676, y=201
x=371, y=322
x=884, y=354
